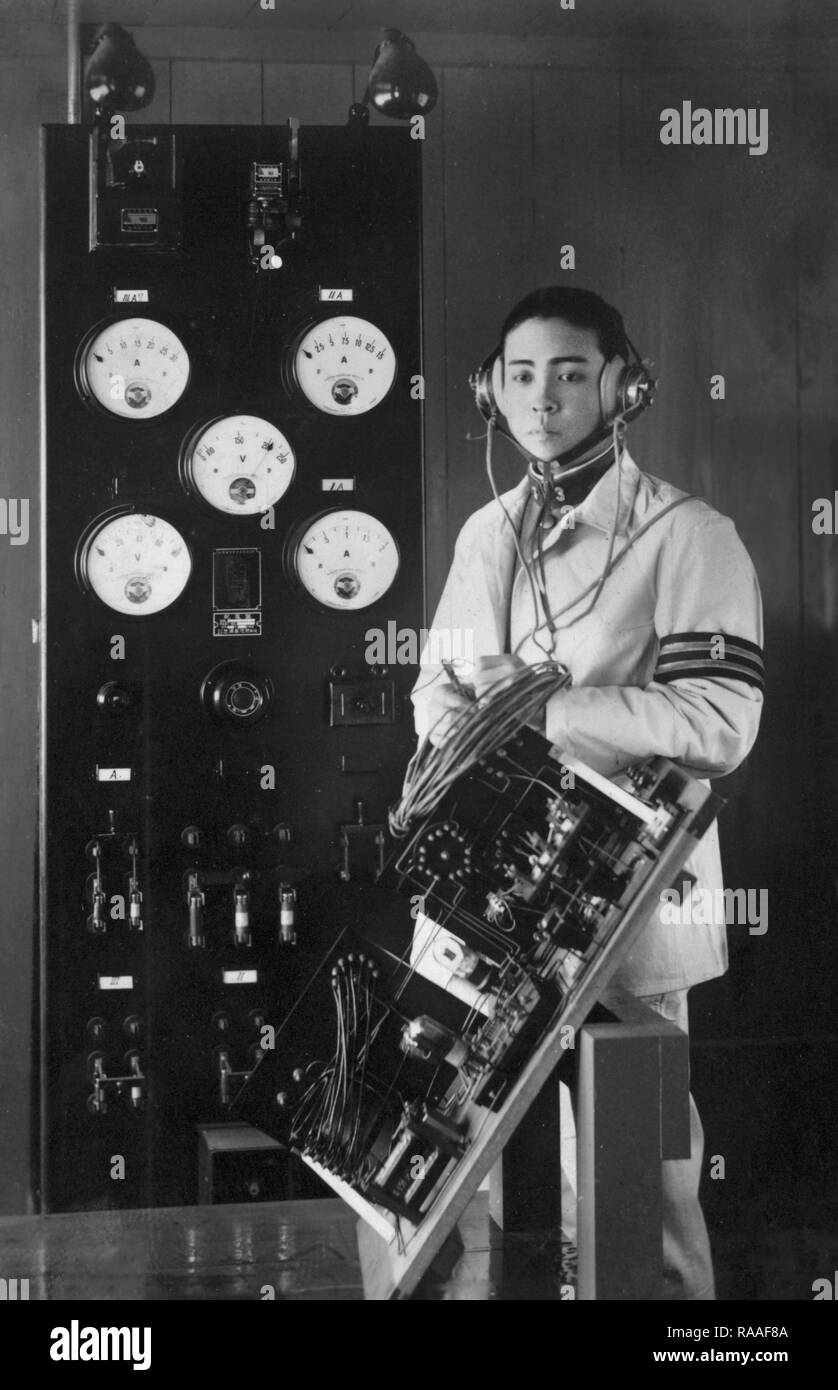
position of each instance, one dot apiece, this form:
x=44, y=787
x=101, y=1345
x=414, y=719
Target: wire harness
x=476, y=732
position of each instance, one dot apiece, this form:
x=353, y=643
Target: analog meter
x=240, y=464
x=344, y=366
x=345, y=559
x=134, y=563
x=134, y=368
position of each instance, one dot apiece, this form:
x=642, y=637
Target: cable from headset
x=525, y=565
x=618, y=430
x=616, y=446
x=611, y=561
x=521, y=558
x=612, y=565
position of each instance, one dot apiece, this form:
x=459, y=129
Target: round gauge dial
x=135, y=368
x=344, y=366
x=346, y=559
x=240, y=464
x=136, y=564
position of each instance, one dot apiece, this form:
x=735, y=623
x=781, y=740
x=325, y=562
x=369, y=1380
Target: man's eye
x=571, y=376
x=522, y=376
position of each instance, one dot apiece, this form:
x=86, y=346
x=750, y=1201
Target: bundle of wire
x=329, y=1119
x=476, y=732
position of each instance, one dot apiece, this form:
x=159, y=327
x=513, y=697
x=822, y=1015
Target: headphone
x=625, y=388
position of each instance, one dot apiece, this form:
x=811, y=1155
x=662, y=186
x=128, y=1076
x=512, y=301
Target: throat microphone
x=547, y=479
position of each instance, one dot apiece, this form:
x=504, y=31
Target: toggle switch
x=195, y=902
x=136, y=1079
x=241, y=916
x=97, y=1101
x=225, y=1071
x=135, y=897
x=287, y=915
x=191, y=837
x=96, y=920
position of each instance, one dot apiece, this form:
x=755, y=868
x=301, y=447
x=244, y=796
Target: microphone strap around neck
x=551, y=482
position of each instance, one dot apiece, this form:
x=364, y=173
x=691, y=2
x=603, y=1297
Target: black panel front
x=211, y=723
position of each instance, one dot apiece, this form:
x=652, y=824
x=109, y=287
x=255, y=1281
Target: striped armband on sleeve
x=709, y=655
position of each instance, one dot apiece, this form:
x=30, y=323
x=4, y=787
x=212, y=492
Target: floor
x=303, y=1250
x=307, y=1250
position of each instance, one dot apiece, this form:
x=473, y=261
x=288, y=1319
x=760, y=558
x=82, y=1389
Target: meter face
x=134, y=368
x=136, y=564
x=240, y=464
x=344, y=366
x=346, y=559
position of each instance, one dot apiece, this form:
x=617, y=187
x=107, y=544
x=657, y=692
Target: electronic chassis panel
x=400, y=1075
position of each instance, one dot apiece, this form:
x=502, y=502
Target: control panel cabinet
x=232, y=555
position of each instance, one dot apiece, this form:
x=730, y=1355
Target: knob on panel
x=234, y=693
x=115, y=697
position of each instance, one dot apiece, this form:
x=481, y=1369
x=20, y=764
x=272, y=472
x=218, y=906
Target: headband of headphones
x=625, y=388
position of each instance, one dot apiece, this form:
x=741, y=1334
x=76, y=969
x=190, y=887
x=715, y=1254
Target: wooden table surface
x=300, y=1250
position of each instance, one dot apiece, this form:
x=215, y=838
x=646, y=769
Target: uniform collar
x=597, y=509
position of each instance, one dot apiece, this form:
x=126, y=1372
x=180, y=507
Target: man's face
x=551, y=385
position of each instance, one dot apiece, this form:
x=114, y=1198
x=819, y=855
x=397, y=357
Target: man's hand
x=447, y=702
x=445, y=705
x=492, y=671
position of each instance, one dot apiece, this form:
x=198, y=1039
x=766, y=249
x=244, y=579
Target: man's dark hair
x=582, y=308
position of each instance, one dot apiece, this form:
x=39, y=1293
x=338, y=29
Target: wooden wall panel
x=489, y=223
x=577, y=192
x=662, y=219
x=316, y=93
x=814, y=205
x=706, y=234
x=216, y=93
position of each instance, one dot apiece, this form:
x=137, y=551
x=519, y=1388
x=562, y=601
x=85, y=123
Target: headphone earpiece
x=625, y=389
x=487, y=385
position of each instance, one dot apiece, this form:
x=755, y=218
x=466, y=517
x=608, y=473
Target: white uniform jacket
x=650, y=673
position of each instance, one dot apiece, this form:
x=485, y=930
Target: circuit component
x=526, y=877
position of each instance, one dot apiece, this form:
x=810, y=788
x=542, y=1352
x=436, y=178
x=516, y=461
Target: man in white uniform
x=650, y=600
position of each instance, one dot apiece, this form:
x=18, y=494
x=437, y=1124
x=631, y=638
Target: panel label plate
x=139, y=219
x=226, y=624
x=240, y=977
